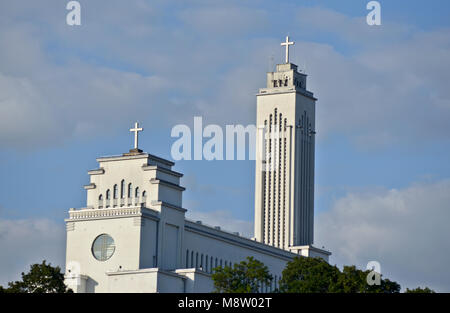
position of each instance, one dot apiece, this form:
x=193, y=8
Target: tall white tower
x=284, y=187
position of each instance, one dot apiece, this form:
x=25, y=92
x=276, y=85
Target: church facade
x=133, y=235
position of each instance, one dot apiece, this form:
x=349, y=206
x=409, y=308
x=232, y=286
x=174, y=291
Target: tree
x=353, y=280
x=309, y=275
x=315, y=275
x=420, y=290
x=245, y=277
x=387, y=286
x=42, y=278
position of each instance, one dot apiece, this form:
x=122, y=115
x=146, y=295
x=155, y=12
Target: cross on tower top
x=136, y=131
x=287, y=43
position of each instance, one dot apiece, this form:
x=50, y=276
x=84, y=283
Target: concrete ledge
x=166, y=183
x=162, y=169
x=90, y=186
x=144, y=271
x=98, y=171
x=168, y=205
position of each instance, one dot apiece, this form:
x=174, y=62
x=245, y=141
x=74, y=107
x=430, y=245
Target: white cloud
x=225, y=20
x=29, y=241
x=390, y=88
x=406, y=230
x=352, y=29
x=57, y=86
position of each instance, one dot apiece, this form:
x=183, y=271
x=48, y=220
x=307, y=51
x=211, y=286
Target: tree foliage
x=308, y=275
x=314, y=275
x=245, y=277
x=353, y=280
x=42, y=278
x=419, y=290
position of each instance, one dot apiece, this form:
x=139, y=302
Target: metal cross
x=287, y=44
x=136, y=131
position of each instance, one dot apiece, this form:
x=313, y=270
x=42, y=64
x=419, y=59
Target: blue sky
x=70, y=94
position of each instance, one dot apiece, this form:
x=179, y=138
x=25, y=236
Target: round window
x=103, y=247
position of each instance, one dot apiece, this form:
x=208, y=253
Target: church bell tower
x=284, y=187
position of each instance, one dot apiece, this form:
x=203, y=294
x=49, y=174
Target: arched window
x=122, y=189
x=100, y=198
x=115, y=192
x=108, y=194
x=130, y=190
x=136, y=192
x=144, y=194
x=192, y=259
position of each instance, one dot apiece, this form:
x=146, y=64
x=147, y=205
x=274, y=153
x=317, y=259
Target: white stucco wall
x=79, y=243
x=145, y=281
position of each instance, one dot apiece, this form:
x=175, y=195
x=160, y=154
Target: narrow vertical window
x=100, y=201
x=108, y=194
x=130, y=190
x=136, y=192
x=144, y=197
x=115, y=192
x=122, y=189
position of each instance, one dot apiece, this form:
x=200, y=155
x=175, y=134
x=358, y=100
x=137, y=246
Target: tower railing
x=122, y=202
x=107, y=212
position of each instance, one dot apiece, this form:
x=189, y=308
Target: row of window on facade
x=280, y=82
x=272, y=179
x=284, y=83
x=276, y=119
x=209, y=263
x=128, y=192
x=204, y=262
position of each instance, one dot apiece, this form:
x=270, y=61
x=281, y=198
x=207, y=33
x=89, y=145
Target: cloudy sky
x=70, y=94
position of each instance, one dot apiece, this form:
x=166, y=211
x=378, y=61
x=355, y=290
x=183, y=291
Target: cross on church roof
x=136, y=131
x=287, y=43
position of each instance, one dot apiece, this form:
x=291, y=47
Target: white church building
x=133, y=235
